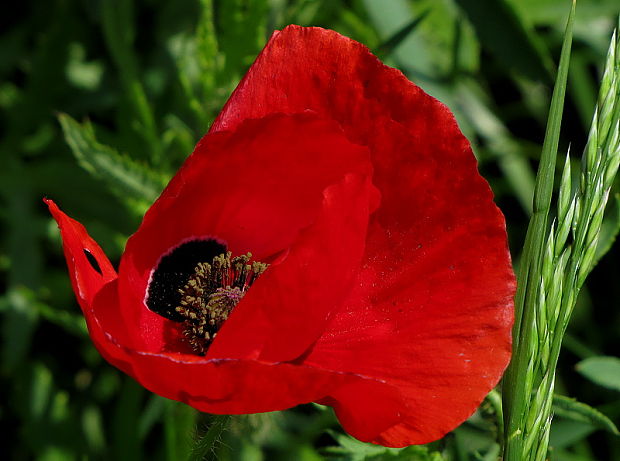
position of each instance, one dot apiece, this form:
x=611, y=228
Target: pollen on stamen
x=212, y=292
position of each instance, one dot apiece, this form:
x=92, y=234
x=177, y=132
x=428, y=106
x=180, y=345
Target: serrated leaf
x=125, y=177
x=574, y=410
x=604, y=371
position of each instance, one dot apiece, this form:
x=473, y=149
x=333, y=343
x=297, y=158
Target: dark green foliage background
x=150, y=88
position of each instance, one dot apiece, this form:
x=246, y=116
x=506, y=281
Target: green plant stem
x=557, y=270
x=517, y=382
x=204, y=449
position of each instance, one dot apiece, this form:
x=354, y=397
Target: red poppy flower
x=388, y=291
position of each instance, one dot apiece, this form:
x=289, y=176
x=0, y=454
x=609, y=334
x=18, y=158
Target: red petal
x=424, y=334
x=94, y=283
x=288, y=307
x=231, y=386
x=438, y=333
x=87, y=277
x=107, y=330
x=255, y=188
x=382, y=404
x=217, y=386
x=432, y=311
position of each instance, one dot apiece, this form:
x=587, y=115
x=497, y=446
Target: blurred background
x=101, y=101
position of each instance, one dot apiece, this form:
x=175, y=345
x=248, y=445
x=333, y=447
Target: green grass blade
x=517, y=383
x=508, y=37
x=557, y=274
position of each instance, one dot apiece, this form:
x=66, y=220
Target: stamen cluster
x=212, y=292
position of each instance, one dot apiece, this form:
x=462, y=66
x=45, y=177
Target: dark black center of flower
x=199, y=283
x=173, y=271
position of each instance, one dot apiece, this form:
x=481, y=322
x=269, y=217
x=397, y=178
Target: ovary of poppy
x=389, y=288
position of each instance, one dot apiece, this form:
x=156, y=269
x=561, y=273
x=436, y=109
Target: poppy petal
x=216, y=386
x=255, y=189
x=106, y=328
x=405, y=346
x=383, y=406
x=311, y=282
x=89, y=267
x=442, y=340
x=94, y=282
x=230, y=386
x=432, y=310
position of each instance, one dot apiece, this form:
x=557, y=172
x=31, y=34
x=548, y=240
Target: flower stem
x=204, y=448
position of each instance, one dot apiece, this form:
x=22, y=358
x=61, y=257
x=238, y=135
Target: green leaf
x=179, y=423
x=388, y=46
x=573, y=410
x=125, y=177
x=350, y=449
x=358, y=450
x=411, y=453
x=604, y=371
x=566, y=433
x=18, y=198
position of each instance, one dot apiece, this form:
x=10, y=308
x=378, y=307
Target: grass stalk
x=555, y=271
